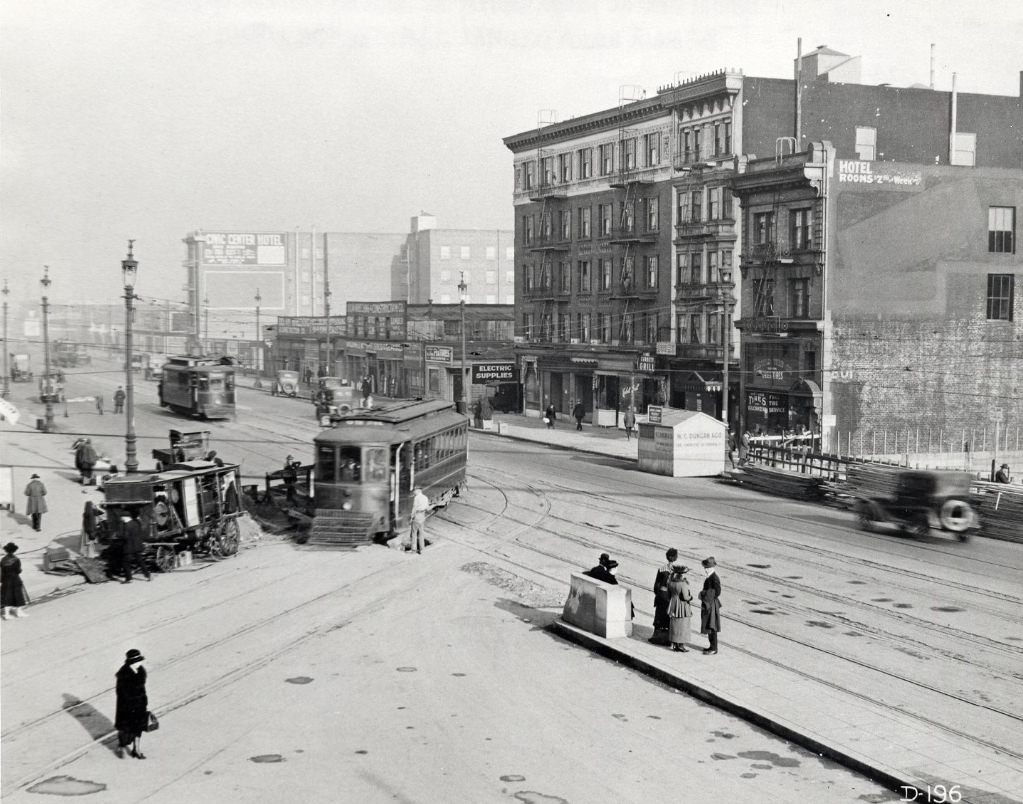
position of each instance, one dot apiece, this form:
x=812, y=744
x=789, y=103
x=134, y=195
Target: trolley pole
x=129, y=272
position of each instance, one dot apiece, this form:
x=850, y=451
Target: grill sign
x=503, y=371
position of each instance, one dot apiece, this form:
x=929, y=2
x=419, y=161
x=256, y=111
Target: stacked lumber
x=871, y=480
x=1001, y=510
x=780, y=483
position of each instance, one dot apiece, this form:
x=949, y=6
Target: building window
x=628, y=274
x=726, y=203
x=584, y=276
x=547, y=170
x=530, y=174
x=603, y=327
x=445, y=251
x=763, y=228
x=651, y=272
x=565, y=224
x=866, y=143
x=585, y=163
x=965, y=152
x=629, y=154
x=565, y=271
x=605, y=273
x=764, y=302
x=626, y=217
x=799, y=229
x=712, y=266
x=723, y=138
x=491, y=252
x=697, y=137
x=652, y=214
x=726, y=259
x=584, y=221
x=697, y=205
x=565, y=166
x=681, y=269
x=650, y=147
x=464, y=252
x=545, y=226
x=527, y=326
x=628, y=328
x=713, y=203
x=1000, y=289
x=651, y=327
x=687, y=145
x=606, y=159
x=445, y=275
x=695, y=328
x=714, y=328
x=564, y=325
x=1001, y=230
x=605, y=212
x=800, y=298
x=696, y=268
x=491, y=277
x=509, y=252
x=509, y=277
x=584, y=327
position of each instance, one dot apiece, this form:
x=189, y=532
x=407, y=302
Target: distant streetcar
x=198, y=386
x=370, y=460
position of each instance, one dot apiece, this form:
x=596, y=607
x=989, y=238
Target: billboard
x=237, y=248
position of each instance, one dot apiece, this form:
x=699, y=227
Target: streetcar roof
x=395, y=422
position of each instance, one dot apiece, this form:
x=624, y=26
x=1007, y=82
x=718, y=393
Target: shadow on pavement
x=91, y=719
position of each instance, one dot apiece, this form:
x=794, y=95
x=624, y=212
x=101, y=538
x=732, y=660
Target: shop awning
x=705, y=382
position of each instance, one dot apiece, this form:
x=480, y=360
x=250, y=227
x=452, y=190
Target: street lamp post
x=462, y=287
x=47, y=384
x=7, y=375
x=326, y=314
x=259, y=345
x=129, y=272
x=206, y=324
x=726, y=282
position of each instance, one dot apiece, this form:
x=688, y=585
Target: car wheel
x=956, y=516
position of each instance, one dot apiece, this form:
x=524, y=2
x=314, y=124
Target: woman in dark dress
x=132, y=715
x=661, y=599
x=710, y=605
x=12, y=589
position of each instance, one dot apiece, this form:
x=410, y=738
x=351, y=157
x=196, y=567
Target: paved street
x=291, y=669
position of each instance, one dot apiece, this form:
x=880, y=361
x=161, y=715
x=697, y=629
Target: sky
x=150, y=119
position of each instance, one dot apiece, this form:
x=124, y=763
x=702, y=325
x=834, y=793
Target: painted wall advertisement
x=235, y=248
x=886, y=175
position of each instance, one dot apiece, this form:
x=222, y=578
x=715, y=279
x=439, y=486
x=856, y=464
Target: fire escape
x=550, y=192
x=627, y=234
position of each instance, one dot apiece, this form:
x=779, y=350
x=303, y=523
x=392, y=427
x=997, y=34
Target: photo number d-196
x=937, y=793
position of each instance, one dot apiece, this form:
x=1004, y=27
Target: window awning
x=705, y=382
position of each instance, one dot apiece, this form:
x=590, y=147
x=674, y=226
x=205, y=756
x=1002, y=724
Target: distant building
x=435, y=261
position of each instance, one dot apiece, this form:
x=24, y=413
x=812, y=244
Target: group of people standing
x=673, y=609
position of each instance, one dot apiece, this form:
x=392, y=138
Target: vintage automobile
x=195, y=507
x=920, y=501
x=184, y=447
x=286, y=384
x=21, y=368
x=334, y=398
x=51, y=388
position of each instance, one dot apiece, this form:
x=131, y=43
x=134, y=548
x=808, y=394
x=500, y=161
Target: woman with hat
x=12, y=588
x=132, y=714
x=36, y=506
x=710, y=605
x=680, y=609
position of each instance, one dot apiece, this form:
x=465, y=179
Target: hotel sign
x=243, y=248
x=886, y=175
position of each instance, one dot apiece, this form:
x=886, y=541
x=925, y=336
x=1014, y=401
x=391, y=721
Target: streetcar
x=198, y=386
x=369, y=461
x=191, y=506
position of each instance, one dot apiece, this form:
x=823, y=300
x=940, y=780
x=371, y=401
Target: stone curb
x=553, y=445
x=609, y=650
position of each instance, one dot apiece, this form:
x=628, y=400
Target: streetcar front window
x=350, y=464
x=376, y=464
x=216, y=382
x=326, y=464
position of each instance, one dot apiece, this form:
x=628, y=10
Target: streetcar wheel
x=166, y=558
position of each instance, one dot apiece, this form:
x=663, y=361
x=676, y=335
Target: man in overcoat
x=36, y=505
x=85, y=459
x=710, y=605
x=119, y=397
x=132, y=547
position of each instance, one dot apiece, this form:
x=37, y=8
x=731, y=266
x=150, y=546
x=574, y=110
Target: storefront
x=781, y=392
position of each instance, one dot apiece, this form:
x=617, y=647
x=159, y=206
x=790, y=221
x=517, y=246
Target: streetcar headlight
x=346, y=505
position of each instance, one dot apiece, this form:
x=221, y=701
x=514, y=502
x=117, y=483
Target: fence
x=928, y=441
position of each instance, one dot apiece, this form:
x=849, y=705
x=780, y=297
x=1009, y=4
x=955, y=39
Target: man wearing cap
x=85, y=460
x=710, y=605
x=420, y=508
x=605, y=570
x=36, y=505
x=132, y=713
x=1003, y=475
x=119, y=397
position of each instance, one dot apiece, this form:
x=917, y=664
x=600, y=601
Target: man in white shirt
x=420, y=508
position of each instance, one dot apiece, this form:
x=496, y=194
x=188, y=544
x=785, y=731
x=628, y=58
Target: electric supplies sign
x=499, y=371
x=883, y=175
x=235, y=248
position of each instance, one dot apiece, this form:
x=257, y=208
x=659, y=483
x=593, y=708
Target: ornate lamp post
x=7, y=374
x=48, y=386
x=259, y=345
x=462, y=288
x=129, y=272
x=726, y=282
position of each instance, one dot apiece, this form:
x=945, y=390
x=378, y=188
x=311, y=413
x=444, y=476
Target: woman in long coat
x=12, y=589
x=132, y=714
x=710, y=605
x=680, y=609
x=661, y=620
x=36, y=505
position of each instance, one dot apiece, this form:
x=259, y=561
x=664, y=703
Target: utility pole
x=206, y=327
x=129, y=273
x=7, y=348
x=326, y=313
x=48, y=386
x=258, y=352
x=462, y=287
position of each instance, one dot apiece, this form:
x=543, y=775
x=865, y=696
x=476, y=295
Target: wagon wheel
x=166, y=558
x=226, y=542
